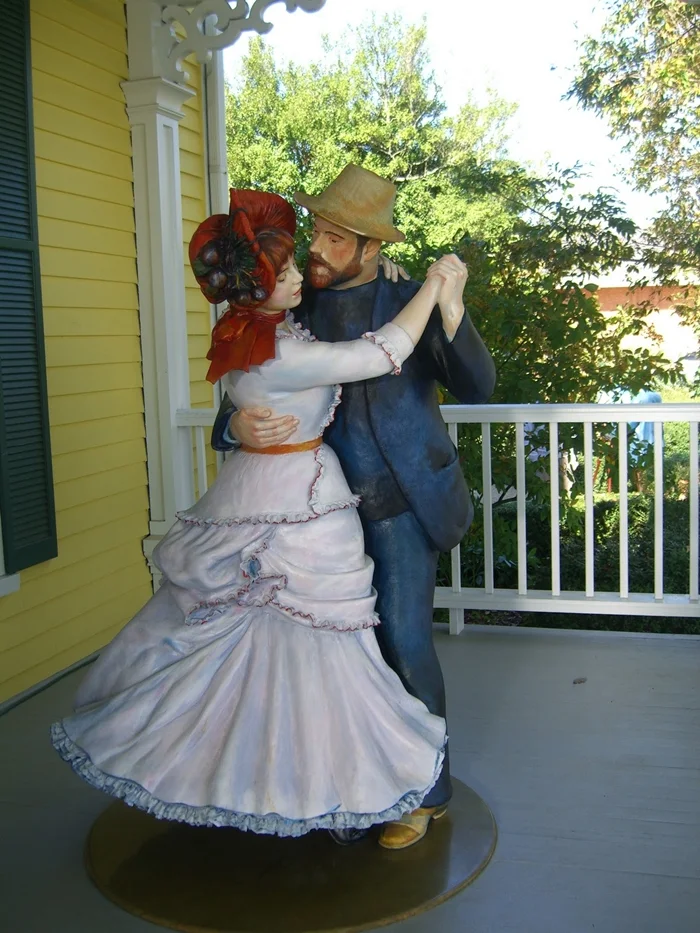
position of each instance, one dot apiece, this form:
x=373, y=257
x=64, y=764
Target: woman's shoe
x=410, y=829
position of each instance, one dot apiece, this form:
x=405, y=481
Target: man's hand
x=257, y=427
x=454, y=275
x=392, y=270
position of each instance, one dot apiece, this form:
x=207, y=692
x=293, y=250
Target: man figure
x=388, y=433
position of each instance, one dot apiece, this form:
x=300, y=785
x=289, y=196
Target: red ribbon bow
x=241, y=339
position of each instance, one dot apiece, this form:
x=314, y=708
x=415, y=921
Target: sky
x=525, y=50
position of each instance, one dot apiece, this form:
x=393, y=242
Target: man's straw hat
x=359, y=201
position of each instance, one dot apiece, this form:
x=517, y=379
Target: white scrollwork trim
x=227, y=20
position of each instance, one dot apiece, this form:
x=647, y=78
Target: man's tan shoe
x=410, y=829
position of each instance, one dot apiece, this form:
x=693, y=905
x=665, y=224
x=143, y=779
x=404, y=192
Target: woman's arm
x=302, y=366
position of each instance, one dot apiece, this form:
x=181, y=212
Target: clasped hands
x=259, y=427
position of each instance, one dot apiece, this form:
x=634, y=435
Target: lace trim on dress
x=388, y=347
x=298, y=332
x=135, y=795
x=330, y=414
x=273, y=518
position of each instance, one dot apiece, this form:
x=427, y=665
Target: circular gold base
x=211, y=880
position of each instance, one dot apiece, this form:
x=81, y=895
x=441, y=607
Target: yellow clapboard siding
x=93, y=224
x=82, y=293
x=75, y=549
x=74, y=264
x=93, y=377
x=68, y=626
x=75, y=409
x=87, y=21
x=83, y=155
x=193, y=209
x=100, y=513
x=191, y=140
x=69, y=606
x=197, y=347
x=192, y=187
x=73, y=351
x=188, y=229
x=71, y=180
x=69, y=438
x=77, y=492
x=69, y=580
x=101, y=63
x=112, y=10
x=68, y=322
x=51, y=88
x=191, y=164
x=122, y=608
x=82, y=463
x=85, y=238
x=192, y=120
x=76, y=126
x=198, y=372
x=199, y=323
x=202, y=395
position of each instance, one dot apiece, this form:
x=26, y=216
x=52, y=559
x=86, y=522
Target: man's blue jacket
x=405, y=415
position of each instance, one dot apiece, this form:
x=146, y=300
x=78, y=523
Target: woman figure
x=250, y=691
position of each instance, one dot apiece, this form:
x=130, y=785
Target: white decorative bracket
x=227, y=20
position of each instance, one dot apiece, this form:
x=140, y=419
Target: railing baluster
x=554, y=506
x=624, y=512
x=693, y=503
x=456, y=615
x=487, y=505
x=522, y=519
x=202, y=483
x=658, y=510
x=588, y=498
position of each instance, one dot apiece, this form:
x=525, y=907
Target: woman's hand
x=453, y=274
x=257, y=427
x=392, y=270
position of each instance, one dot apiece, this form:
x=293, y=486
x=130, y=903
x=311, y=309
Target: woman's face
x=287, y=293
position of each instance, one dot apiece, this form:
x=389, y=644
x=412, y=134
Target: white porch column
x=161, y=36
x=154, y=106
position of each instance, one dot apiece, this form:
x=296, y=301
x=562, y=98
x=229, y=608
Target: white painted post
x=554, y=506
x=521, y=507
x=693, y=503
x=624, y=512
x=658, y=511
x=487, y=504
x=588, y=498
x=456, y=615
x=154, y=106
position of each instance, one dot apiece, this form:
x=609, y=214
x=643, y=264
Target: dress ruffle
x=267, y=824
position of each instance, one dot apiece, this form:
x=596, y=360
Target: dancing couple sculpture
x=283, y=678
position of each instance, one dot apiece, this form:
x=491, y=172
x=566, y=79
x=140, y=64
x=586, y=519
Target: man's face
x=335, y=256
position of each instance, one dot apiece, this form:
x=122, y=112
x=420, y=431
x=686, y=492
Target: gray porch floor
x=595, y=788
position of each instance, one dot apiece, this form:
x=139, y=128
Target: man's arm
x=452, y=346
x=221, y=438
x=462, y=365
x=257, y=427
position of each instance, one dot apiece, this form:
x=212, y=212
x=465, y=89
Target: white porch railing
x=456, y=598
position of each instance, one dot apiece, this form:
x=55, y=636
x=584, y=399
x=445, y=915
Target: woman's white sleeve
x=302, y=365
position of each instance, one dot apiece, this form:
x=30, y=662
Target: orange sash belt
x=284, y=448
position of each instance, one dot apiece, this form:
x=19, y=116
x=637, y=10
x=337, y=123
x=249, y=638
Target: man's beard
x=320, y=274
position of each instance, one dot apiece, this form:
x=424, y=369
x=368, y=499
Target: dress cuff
x=394, y=341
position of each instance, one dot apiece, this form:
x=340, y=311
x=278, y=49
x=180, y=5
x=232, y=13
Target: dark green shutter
x=26, y=489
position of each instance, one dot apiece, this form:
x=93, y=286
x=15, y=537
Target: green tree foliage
x=531, y=244
x=374, y=101
x=643, y=75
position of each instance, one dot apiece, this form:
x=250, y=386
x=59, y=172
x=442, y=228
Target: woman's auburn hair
x=278, y=246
